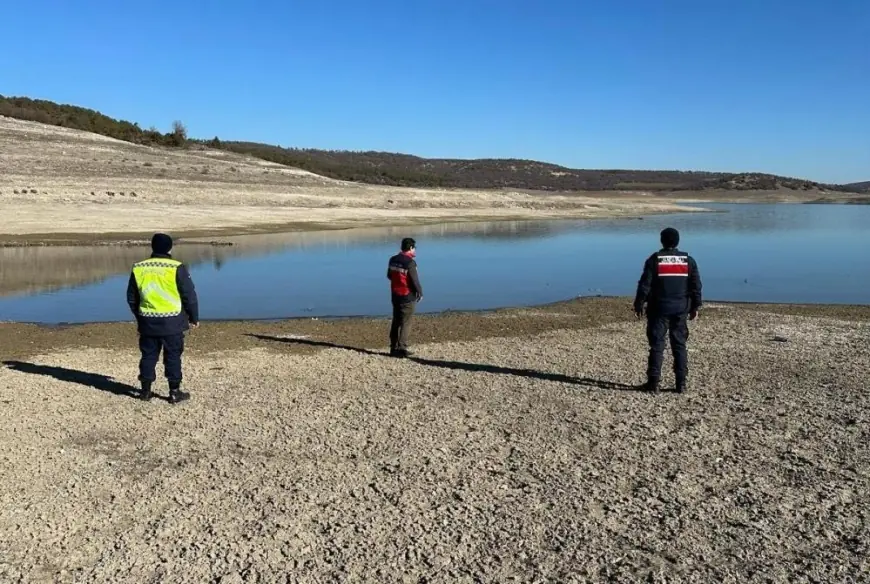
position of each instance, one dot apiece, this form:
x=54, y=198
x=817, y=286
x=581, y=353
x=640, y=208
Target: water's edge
x=441, y=313
x=217, y=237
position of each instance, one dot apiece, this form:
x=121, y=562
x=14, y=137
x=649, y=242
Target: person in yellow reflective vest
x=163, y=299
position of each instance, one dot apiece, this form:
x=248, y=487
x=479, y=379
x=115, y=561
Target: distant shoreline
x=64, y=187
x=207, y=236
x=402, y=218
x=405, y=218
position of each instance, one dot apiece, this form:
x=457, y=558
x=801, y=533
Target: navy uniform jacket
x=670, y=284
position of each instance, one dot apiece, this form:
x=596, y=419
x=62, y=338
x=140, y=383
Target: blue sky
x=733, y=85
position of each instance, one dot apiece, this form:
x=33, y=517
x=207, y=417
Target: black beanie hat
x=670, y=237
x=161, y=243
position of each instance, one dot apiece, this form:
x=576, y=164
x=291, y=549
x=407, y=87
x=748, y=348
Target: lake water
x=756, y=253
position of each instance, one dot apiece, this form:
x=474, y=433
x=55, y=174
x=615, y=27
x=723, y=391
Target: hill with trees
x=858, y=187
x=406, y=170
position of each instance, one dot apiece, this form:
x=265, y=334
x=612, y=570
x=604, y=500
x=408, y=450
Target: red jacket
x=404, y=281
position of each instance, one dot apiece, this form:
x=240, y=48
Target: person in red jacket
x=406, y=292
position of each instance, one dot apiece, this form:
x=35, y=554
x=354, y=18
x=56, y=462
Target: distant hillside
x=79, y=118
x=406, y=170
x=858, y=187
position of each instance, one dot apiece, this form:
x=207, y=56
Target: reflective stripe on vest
x=158, y=288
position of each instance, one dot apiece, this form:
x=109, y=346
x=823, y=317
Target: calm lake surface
x=755, y=253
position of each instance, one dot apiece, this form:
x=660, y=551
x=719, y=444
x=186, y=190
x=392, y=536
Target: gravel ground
x=513, y=448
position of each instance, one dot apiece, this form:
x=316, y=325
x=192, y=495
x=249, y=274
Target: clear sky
x=779, y=86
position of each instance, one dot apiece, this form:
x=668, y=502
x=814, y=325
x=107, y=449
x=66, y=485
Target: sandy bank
x=513, y=447
x=61, y=186
x=89, y=224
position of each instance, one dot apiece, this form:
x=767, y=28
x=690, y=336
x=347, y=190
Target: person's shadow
x=463, y=366
x=94, y=380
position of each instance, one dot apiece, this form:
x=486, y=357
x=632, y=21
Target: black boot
x=681, y=386
x=145, y=394
x=177, y=396
x=652, y=385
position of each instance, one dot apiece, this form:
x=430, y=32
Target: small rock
x=231, y=578
x=780, y=339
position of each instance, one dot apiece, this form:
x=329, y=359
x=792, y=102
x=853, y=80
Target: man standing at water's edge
x=406, y=291
x=163, y=299
x=670, y=287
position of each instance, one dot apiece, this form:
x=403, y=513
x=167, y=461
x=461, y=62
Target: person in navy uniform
x=163, y=300
x=406, y=292
x=670, y=290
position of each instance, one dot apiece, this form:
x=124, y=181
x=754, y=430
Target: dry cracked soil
x=513, y=447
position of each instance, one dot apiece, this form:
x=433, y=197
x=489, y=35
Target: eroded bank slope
x=66, y=186
x=513, y=447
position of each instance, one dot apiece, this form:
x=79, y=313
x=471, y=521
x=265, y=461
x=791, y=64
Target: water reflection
x=29, y=270
x=756, y=253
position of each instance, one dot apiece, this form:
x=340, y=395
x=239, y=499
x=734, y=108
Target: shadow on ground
x=462, y=366
x=93, y=380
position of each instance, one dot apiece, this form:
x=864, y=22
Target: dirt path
x=512, y=448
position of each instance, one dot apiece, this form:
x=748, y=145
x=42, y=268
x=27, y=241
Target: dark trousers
x=677, y=328
x=401, y=327
x=150, y=347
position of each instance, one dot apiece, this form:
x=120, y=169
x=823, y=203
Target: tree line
x=79, y=118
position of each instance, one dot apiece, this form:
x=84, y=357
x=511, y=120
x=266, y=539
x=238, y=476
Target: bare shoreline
x=218, y=236
x=61, y=187
x=513, y=447
x=26, y=338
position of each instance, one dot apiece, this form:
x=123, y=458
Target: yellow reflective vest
x=158, y=288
